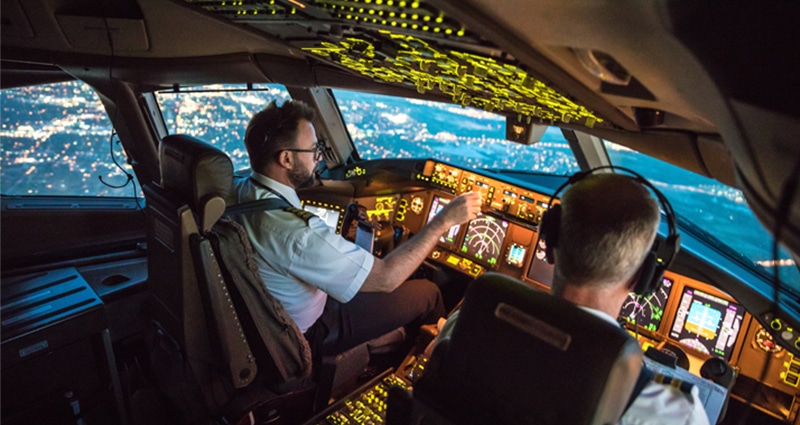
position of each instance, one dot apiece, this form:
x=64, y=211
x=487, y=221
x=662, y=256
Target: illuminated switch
x=476, y=270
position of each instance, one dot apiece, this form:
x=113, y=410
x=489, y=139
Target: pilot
x=608, y=224
x=338, y=294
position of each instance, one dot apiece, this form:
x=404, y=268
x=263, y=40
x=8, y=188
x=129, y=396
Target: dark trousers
x=371, y=314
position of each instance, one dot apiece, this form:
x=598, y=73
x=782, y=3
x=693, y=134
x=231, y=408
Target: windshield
x=393, y=127
x=712, y=208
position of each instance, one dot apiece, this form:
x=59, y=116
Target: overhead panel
x=412, y=44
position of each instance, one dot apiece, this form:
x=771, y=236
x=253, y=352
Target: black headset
x=654, y=265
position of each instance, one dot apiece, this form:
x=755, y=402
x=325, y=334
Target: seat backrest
x=518, y=355
x=191, y=173
x=236, y=338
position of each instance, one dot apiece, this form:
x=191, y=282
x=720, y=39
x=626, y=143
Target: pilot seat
x=521, y=356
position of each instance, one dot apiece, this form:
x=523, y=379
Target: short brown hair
x=274, y=128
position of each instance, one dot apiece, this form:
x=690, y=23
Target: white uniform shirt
x=301, y=264
x=660, y=404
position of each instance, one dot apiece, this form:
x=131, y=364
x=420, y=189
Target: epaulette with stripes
x=684, y=386
x=303, y=214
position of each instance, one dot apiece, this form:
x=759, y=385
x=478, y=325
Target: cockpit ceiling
x=413, y=44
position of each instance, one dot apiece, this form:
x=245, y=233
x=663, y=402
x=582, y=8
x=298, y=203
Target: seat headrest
x=518, y=355
x=195, y=169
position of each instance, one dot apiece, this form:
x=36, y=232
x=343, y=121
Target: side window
x=712, y=207
x=58, y=141
x=218, y=114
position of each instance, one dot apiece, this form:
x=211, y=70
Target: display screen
x=484, y=239
x=707, y=323
x=541, y=271
x=516, y=255
x=449, y=237
x=648, y=311
x=329, y=215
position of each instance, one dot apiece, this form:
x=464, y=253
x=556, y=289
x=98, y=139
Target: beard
x=301, y=177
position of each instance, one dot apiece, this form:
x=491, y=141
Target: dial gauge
x=763, y=341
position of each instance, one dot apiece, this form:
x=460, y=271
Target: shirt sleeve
x=660, y=404
x=333, y=264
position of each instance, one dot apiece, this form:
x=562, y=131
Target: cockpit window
x=393, y=127
x=711, y=207
x=218, y=114
x=57, y=140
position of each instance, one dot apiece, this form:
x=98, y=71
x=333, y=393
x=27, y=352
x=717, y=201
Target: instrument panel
x=684, y=314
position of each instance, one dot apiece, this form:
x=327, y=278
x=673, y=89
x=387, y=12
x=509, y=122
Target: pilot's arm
x=390, y=272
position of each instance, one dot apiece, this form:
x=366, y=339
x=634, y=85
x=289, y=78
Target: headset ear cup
x=549, y=229
x=649, y=279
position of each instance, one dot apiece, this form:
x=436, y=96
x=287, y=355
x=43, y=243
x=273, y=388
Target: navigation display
x=648, y=311
x=449, y=237
x=484, y=239
x=707, y=323
x=329, y=215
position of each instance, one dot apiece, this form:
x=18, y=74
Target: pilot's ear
x=285, y=159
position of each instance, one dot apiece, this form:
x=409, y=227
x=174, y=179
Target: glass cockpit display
x=647, y=312
x=707, y=323
x=329, y=215
x=448, y=238
x=484, y=239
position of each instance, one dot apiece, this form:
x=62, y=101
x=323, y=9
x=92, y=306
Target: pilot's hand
x=461, y=209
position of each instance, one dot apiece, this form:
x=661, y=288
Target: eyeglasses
x=317, y=150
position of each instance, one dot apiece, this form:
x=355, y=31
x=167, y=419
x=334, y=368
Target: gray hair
x=608, y=224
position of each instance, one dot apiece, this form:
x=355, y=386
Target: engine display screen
x=449, y=237
x=329, y=215
x=484, y=239
x=707, y=323
x=647, y=312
